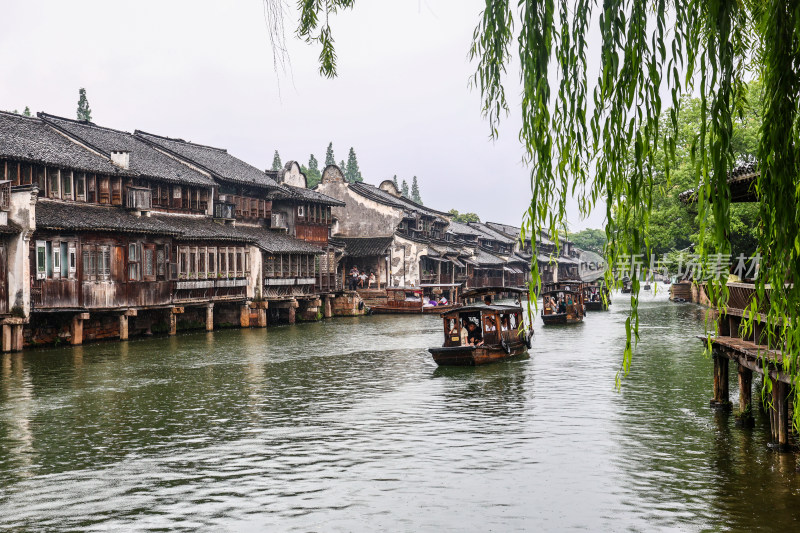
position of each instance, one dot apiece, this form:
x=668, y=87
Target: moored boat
x=409, y=300
x=496, y=331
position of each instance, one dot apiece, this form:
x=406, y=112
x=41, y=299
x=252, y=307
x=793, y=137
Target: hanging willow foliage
x=602, y=148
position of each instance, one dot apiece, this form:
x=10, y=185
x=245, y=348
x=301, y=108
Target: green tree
x=313, y=175
x=276, y=161
x=352, y=174
x=84, y=112
x=329, y=159
x=342, y=165
x=27, y=112
x=464, y=218
x=589, y=239
x=415, y=191
x=404, y=189
x=394, y=180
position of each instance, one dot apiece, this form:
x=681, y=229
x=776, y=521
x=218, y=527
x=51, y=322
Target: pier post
x=12, y=335
x=76, y=328
x=779, y=415
x=327, y=312
x=210, y=317
x=123, y=327
x=721, y=399
x=262, y=317
x=292, y=313
x=244, y=316
x=745, y=415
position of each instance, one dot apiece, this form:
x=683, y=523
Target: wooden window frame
x=134, y=261
x=149, y=262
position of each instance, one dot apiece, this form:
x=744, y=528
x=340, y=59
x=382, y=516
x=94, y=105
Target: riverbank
x=349, y=424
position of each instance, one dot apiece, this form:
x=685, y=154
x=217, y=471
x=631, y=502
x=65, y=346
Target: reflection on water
x=348, y=424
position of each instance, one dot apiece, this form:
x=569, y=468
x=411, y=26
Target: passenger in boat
x=465, y=332
x=474, y=337
x=562, y=307
x=442, y=301
x=504, y=323
x=487, y=300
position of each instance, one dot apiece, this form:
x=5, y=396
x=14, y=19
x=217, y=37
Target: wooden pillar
x=76, y=328
x=210, y=317
x=327, y=312
x=745, y=417
x=780, y=415
x=244, y=316
x=123, y=327
x=721, y=394
x=292, y=314
x=173, y=324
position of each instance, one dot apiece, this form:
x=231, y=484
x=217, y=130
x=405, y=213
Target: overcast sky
x=202, y=70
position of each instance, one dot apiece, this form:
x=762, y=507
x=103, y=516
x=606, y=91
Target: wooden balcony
x=139, y=198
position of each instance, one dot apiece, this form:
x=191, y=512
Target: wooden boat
x=596, y=297
x=408, y=300
x=500, y=331
x=626, y=286
x=563, y=291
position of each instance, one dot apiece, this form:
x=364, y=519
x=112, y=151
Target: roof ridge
x=18, y=115
x=46, y=116
x=174, y=139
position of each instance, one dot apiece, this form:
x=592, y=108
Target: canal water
x=348, y=425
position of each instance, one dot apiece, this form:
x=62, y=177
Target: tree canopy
x=415, y=191
x=84, y=113
x=464, y=218
x=276, y=161
x=313, y=174
x=351, y=172
x=329, y=159
x=593, y=240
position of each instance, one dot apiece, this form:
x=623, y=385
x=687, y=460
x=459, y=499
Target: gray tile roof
x=275, y=242
x=144, y=159
x=383, y=197
x=30, y=139
x=310, y=195
x=463, y=229
x=11, y=228
x=505, y=229
x=485, y=259
x=490, y=233
x=218, y=161
x=194, y=228
x=69, y=216
x=366, y=246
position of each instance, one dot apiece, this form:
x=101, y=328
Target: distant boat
x=596, y=297
x=561, y=292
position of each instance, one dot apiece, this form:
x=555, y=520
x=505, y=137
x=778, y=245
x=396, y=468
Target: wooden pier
x=751, y=353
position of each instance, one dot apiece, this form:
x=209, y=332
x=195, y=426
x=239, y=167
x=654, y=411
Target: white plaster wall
x=23, y=213
x=291, y=175
x=404, y=261
x=360, y=217
x=255, y=281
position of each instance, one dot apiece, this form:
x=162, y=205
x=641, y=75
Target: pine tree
x=341, y=165
x=27, y=112
x=84, y=113
x=404, y=189
x=352, y=174
x=276, y=161
x=415, y=191
x=394, y=180
x=329, y=159
x=313, y=175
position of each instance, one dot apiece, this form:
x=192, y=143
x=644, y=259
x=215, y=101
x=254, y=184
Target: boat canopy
x=491, y=291
x=476, y=309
